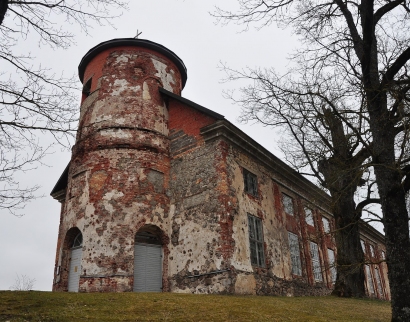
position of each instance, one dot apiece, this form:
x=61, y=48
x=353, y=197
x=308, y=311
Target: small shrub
x=23, y=283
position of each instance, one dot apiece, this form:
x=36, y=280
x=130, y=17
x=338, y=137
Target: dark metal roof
x=62, y=181
x=132, y=42
x=192, y=104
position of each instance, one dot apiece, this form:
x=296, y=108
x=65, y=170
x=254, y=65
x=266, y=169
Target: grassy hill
x=47, y=306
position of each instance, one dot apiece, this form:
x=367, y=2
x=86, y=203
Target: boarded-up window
x=332, y=264
x=251, y=182
x=295, y=254
x=309, y=216
x=317, y=270
x=370, y=285
x=287, y=204
x=256, y=241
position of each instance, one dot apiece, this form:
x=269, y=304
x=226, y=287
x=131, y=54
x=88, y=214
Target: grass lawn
x=47, y=306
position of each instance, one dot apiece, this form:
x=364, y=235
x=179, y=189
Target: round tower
x=115, y=213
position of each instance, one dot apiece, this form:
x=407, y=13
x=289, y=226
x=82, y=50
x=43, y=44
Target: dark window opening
x=87, y=88
x=251, y=182
x=256, y=241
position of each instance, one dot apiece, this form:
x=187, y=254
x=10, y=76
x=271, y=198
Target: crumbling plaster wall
x=119, y=172
x=197, y=228
x=276, y=277
x=210, y=226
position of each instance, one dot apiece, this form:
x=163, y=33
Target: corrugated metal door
x=147, y=268
x=75, y=269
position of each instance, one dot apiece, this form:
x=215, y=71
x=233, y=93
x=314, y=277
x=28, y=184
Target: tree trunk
x=350, y=257
x=342, y=180
x=395, y=216
x=4, y=5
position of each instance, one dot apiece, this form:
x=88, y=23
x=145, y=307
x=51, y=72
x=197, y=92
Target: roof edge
x=132, y=42
x=192, y=104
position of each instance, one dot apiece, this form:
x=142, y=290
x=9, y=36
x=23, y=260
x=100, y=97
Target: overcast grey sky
x=28, y=244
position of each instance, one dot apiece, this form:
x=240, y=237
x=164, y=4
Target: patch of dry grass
x=47, y=306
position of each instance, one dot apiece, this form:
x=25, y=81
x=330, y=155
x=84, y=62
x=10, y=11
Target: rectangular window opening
x=256, y=241
x=372, y=250
x=287, y=204
x=326, y=225
x=370, y=284
x=332, y=264
x=309, y=217
x=251, y=182
x=317, y=270
x=363, y=245
x=295, y=254
x=87, y=88
x=378, y=282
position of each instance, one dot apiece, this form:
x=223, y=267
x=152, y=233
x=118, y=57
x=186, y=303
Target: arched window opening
x=149, y=234
x=74, y=251
x=78, y=241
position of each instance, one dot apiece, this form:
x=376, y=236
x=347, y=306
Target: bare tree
x=368, y=43
x=34, y=100
x=23, y=283
x=319, y=144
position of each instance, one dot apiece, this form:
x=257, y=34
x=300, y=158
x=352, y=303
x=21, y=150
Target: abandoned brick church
x=162, y=194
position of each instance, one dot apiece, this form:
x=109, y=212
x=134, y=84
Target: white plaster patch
x=120, y=85
x=166, y=78
x=89, y=210
x=141, y=174
x=182, y=291
x=122, y=59
x=245, y=284
x=116, y=133
x=114, y=194
x=145, y=92
x=97, y=113
x=195, y=239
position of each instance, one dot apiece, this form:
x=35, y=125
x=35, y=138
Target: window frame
x=326, y=227
x=309, y=215
x=284, y=196
x=78, y=241
x=294, y=251
x=363, y=245
x=256, y=244
x=372, y=250
x=369, y=280
x=250, y=182
x=379, y=284
x=332, y=264
x=316, y=264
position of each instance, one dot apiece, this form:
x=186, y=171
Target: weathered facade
x=162, y=194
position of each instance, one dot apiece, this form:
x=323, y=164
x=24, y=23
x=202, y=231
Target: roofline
x=192, y=104
x=136, y=43
x=63, y=180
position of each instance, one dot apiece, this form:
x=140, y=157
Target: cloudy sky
x=28, y=244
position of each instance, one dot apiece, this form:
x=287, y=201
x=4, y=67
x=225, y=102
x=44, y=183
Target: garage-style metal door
x=75, y=269
x=147, y=268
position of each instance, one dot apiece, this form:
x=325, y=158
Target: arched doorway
x=148, y=260
x=74, y=271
